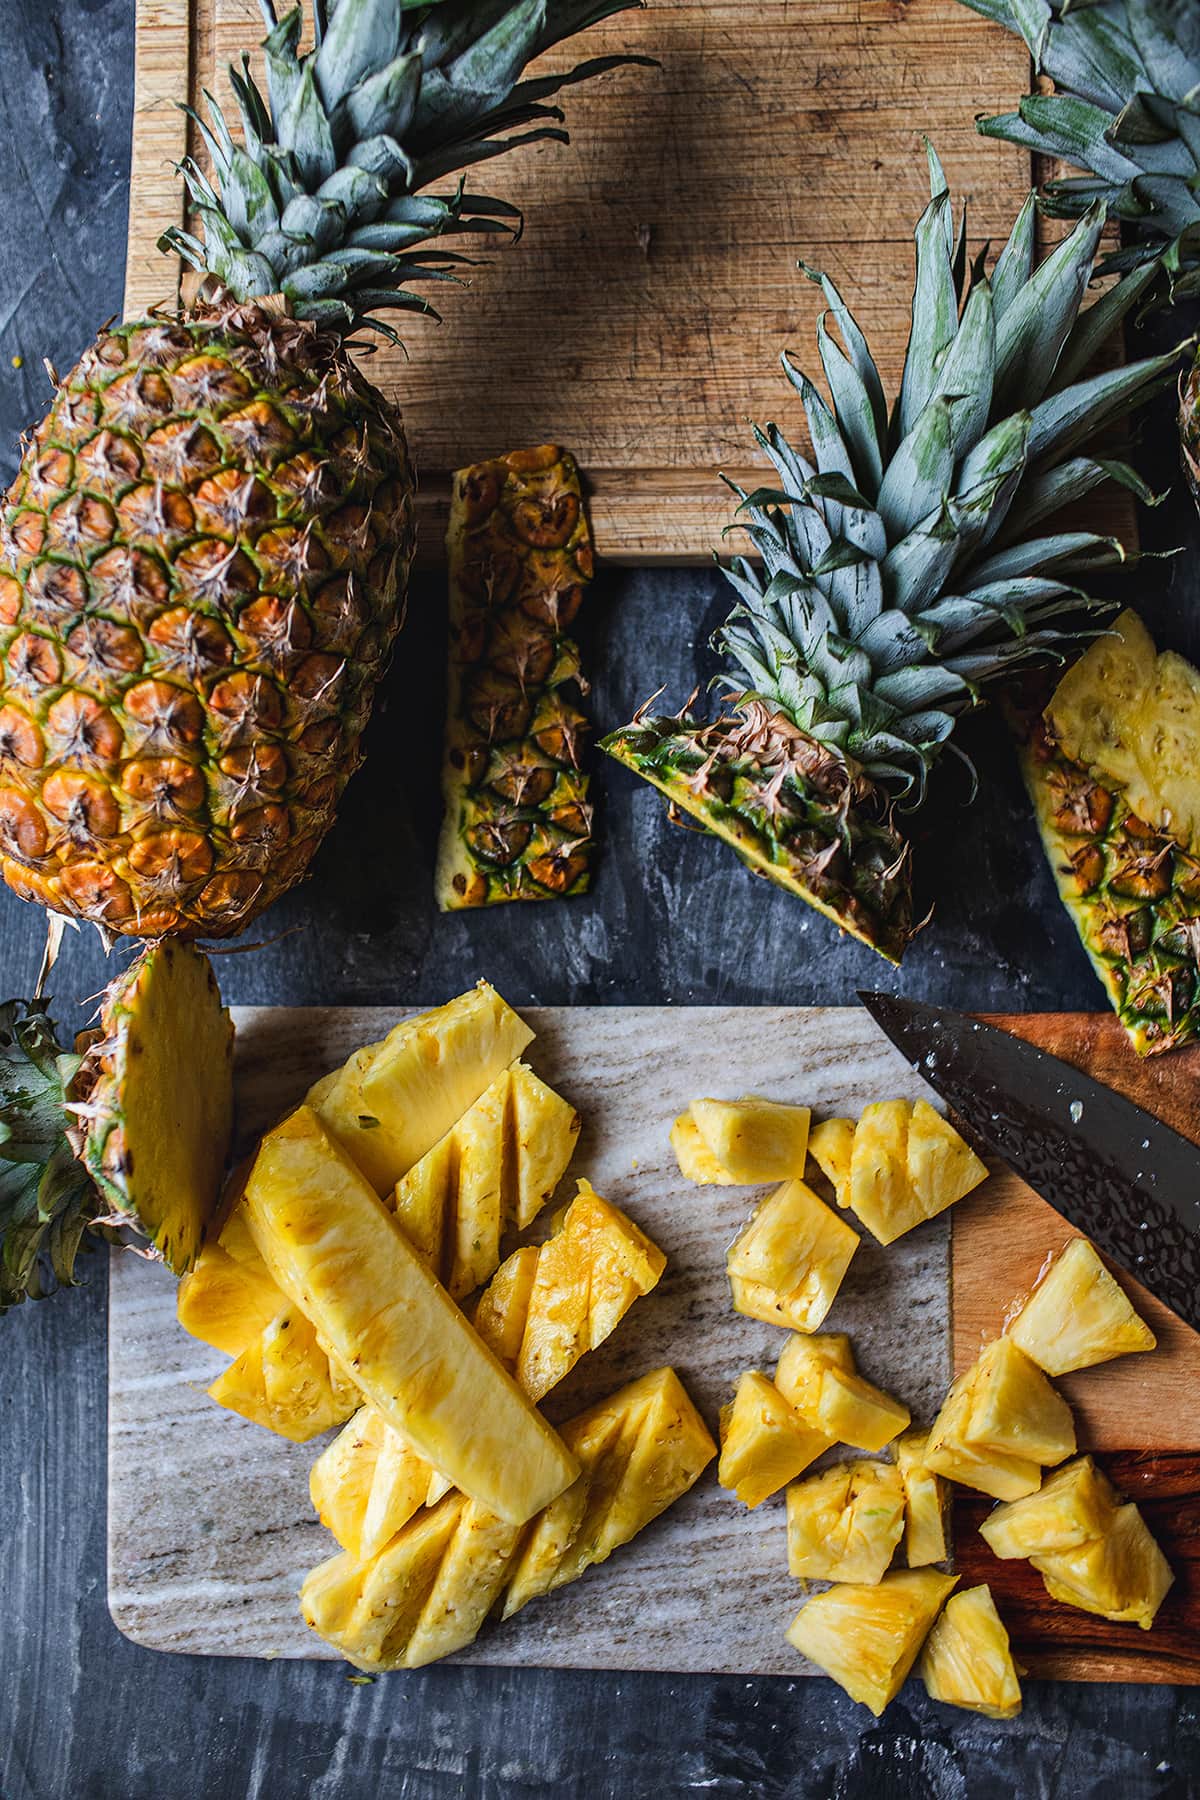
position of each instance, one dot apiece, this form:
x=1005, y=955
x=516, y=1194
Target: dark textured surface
x=82, y=1712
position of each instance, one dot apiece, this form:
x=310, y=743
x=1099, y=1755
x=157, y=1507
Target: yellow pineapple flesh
x=228, y=1297
x=926, y=1502
x=1122, y=1575
x=866, y=1638
x=764, y=1442
x=802, y=1365
x=696, y=1161
x=1073, y=1506
x=831, y=1146
x=361, y=1608
x=502, y=1310
x=343, y=1259
x=967, y=1661
x=948, y=1451
x=286, y=1381
x=1015, y=1410
x=907, y=1165
x=818, y=1377
x=844, y=1524
x=753, y=1140
x=469, y=1581
x=1078, y=1316
x=788, y=1263
x=367, y=1483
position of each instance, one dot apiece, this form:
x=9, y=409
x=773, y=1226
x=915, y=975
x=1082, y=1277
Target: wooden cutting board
x=640, y=318
x=210, y=1529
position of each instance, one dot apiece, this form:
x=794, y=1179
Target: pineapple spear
x=906, y=567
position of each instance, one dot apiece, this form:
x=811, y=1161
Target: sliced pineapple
x=394, y=1100
x=818, y=1377
x=367, y=1483
x=1077, y=1315
x=470, y=1579
x=1073, y=1506
x=496, y=1166
x=866, y=1638
x=967, y=1660
x=844, y=1524
x=1015, y=1410
x=502, y=1310
x=228, y=1297
x=948, y=1451
x=345, y=1262
x=787, y=1265
x=926, y=1502
x=831, y=1146
x=802, y=1365
x=907, y=1165
x=764, y=1442
x=362, y=1607
x=286, y=1381
x=1122, y=1576
x=742, y=1142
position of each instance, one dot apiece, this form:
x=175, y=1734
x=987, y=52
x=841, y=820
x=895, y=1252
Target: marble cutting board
x=210, y=1529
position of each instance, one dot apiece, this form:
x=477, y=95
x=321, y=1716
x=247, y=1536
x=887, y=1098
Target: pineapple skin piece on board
x=867, y=1638
x=764, y=1441
x=344, y=1261
x=740, y=1143
x=967, y=1661
x=844, y=1524
x=518, y=820
x=1073, y=1506
x=1122, y=1575
x=1078, y=1315
x=787, y=1265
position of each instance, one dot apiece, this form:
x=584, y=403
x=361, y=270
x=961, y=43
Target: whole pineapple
x=204, y=555
x=1127, y=110
x=904, y=568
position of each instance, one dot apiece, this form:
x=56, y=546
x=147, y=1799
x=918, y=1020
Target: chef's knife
x=1113, y=1170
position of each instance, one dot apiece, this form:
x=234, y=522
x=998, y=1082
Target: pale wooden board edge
x=162, y=78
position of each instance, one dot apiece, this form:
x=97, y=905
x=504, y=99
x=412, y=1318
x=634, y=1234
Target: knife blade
x=1117, y=1173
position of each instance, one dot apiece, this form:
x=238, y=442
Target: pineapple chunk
x=286, y=1381
x=802, y=1365
x=967, y=1661
x=907, y=1165
x=1014, y=1409
x=495, y=1167
x=844, y=1525
x=346, y=1263
x=696, y=1161
x=867, y=1638
x=753, y=1140
x=764, y=1441
x=1073, y=1506
x=817, y=1376
x=362, y=1607
x=925, y=1502
x=1122, y=1576
x=502, y=1310
x=788, y=1264
x=948, y=1452
x=228, y=1297
x=831, y=1146
x=1077, y=1315
x=469, y=1581
x=367, y=1483
x=393, y=1101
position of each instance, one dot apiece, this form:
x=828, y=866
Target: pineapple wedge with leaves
x=1122, y=1575
x=926, y=1503
x=867, y=1638
x=831, y=1146
x=1073, y=1506
x=907, y=1164
x=741, y=1143
x=788, y=1263
x=818, y=1377
x=286, y=1381
x=967, y=1660
x=764, y=1441
x=1015, y=1410
x=844, y=1524
x=496, y=1167
x=1078, y=1315
x=948, y=1451
x=344, y=1261
x=228, y=1297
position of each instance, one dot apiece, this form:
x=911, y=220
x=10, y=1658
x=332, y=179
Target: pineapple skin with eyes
x=844, y=1524
x=1122, y=1576
x=787, y=1265
x=1078, y=1315
x=1073, y=1506
x=1015, y=1410
x=967, y=1660
x=926, y=1502
x=868, y=1638
x=764, y=1442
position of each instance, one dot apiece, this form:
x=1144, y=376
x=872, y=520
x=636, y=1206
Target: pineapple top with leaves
x=906, y=565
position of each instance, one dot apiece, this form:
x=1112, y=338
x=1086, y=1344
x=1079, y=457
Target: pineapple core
x=764, y=1441
x=867, y=1638
x=1077, y=1315
x=844, y=1524
x=967, y=1661
x=787, y=1265
x=741, y=1142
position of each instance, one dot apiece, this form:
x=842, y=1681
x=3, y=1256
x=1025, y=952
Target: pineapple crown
x=47, y=1198
x=909, y=563
x=1127, y=110
x=322, y=201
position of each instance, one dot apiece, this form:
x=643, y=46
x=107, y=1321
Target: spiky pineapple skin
x=203, y=559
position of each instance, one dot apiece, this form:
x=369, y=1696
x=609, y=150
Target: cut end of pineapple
x=1073, y=1506
x=844, y=1524
x=1014, y=1409
x=867, y=1638
x=764, y=1442
x=967, y=1661
x=1122, y=1575
x=1078, y=1316
x=787, y=1265
x=907, y=1165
